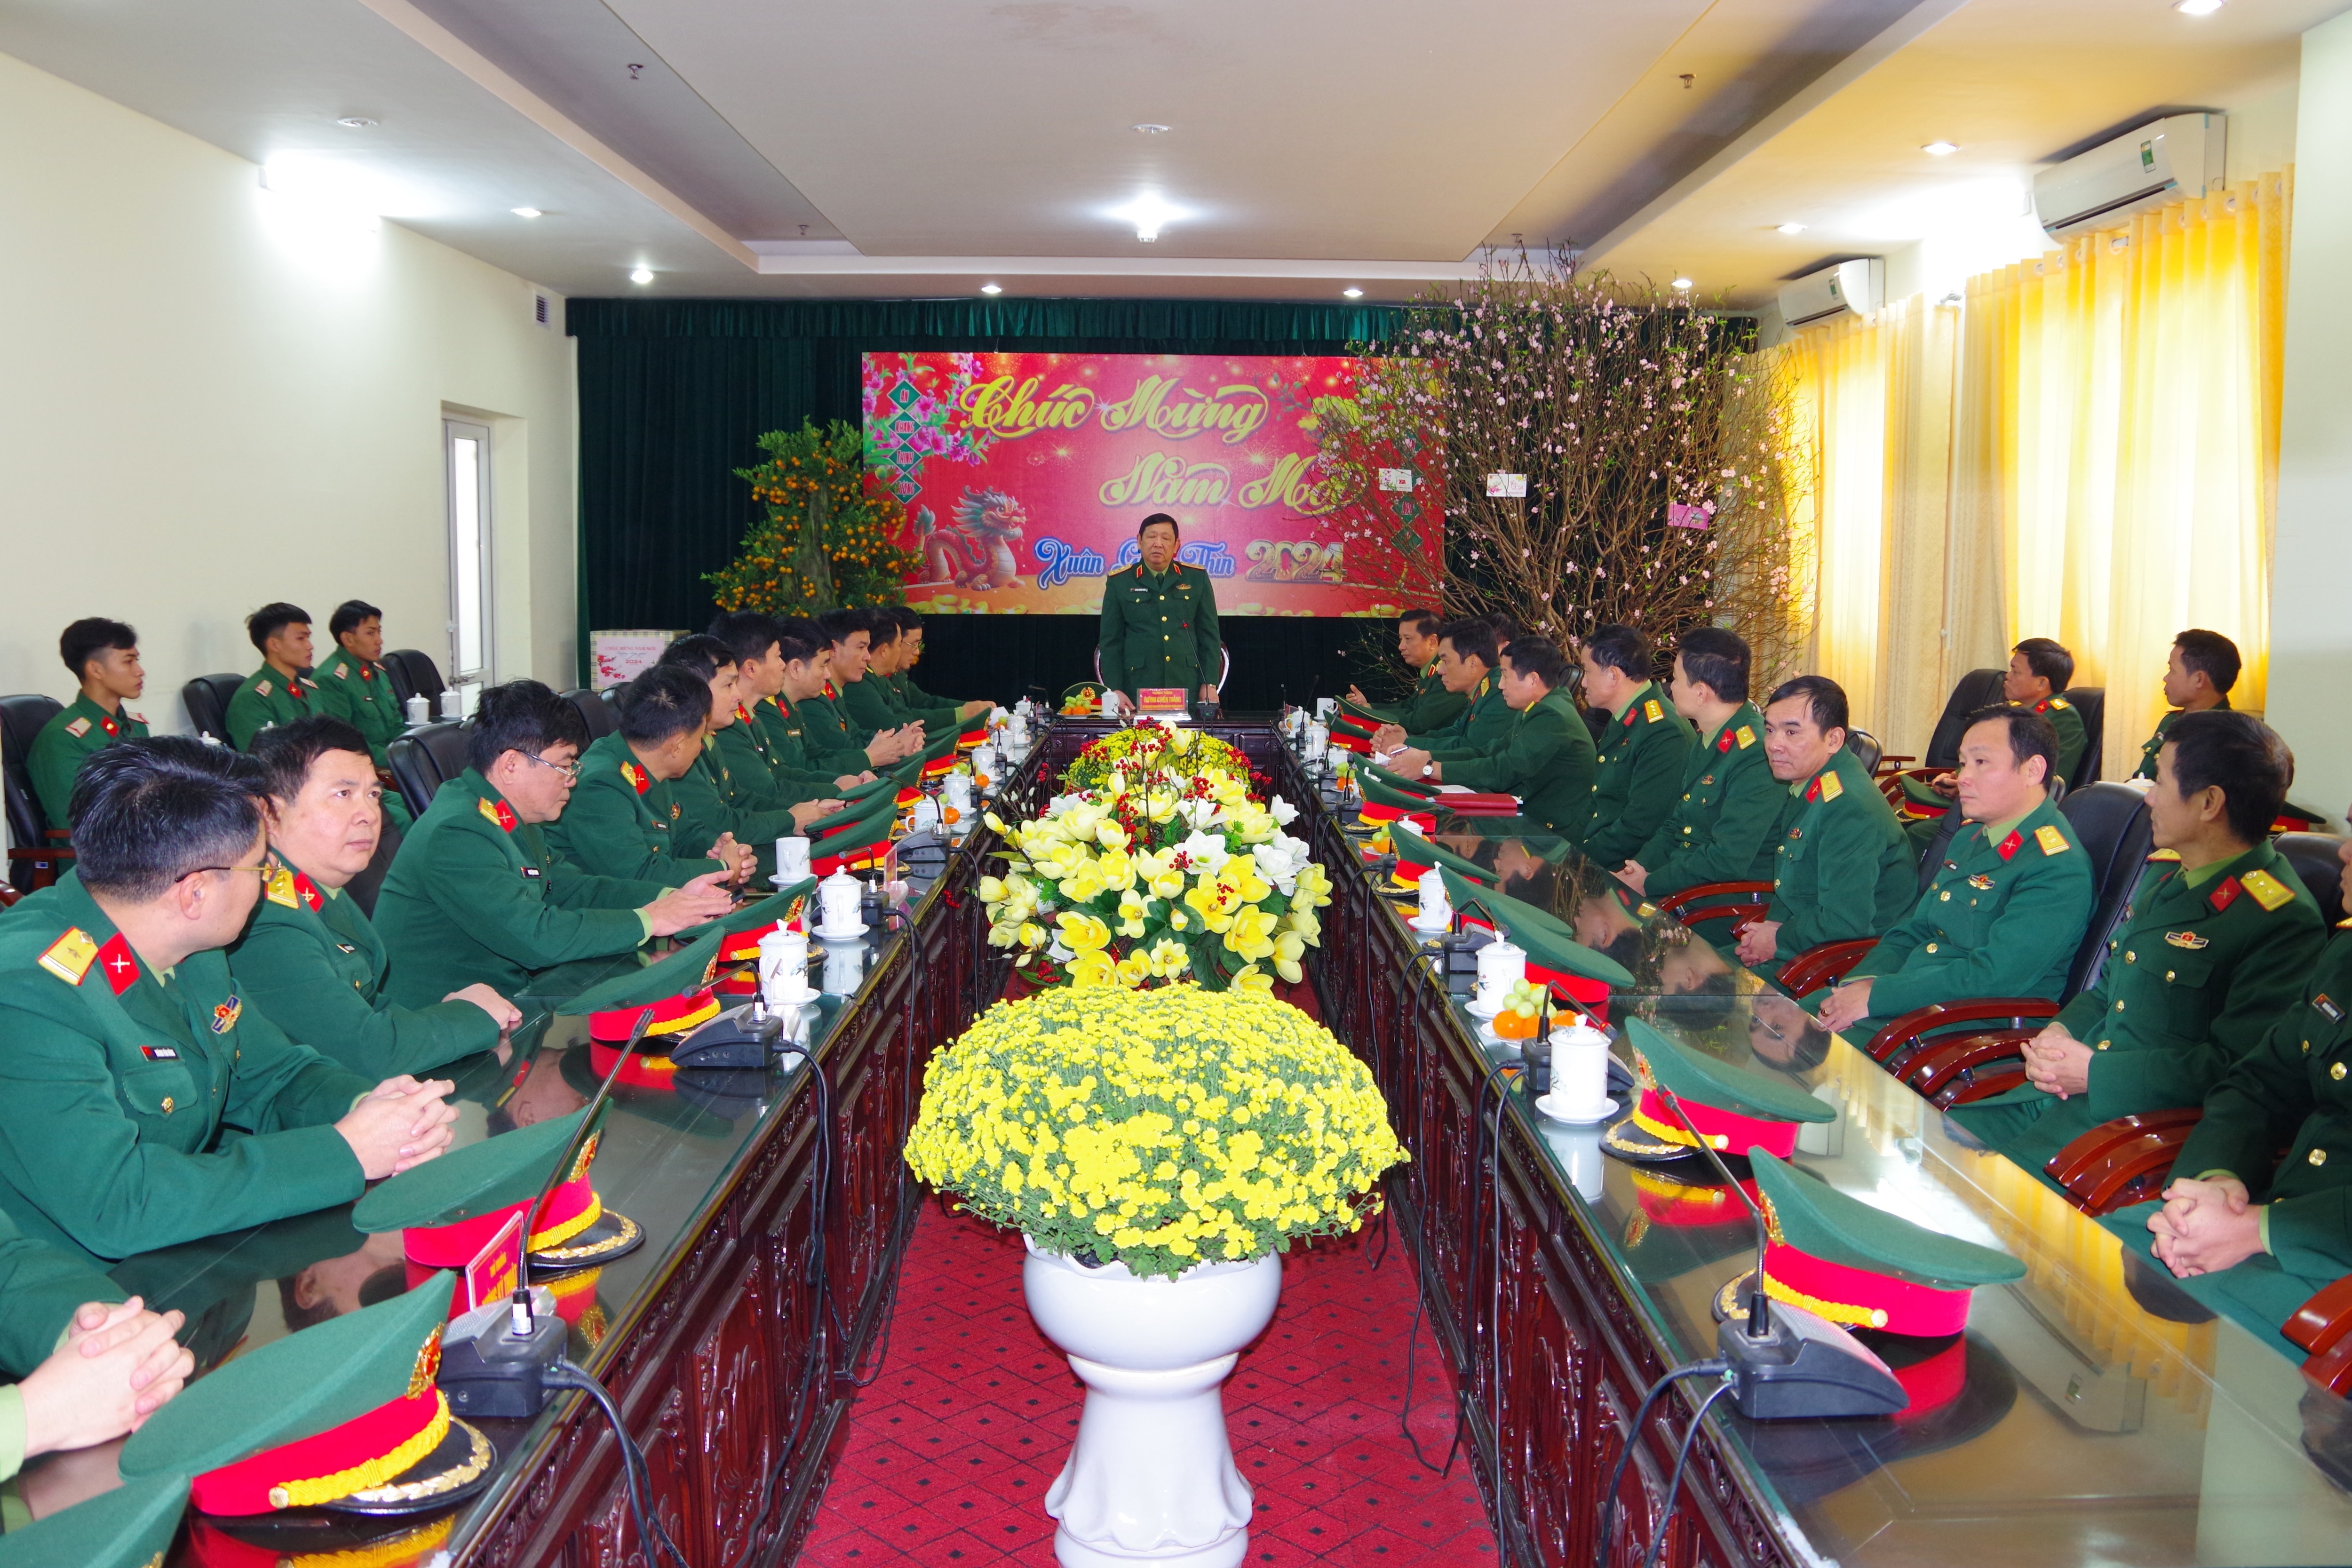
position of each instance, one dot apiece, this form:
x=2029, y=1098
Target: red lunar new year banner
x=1027, y=475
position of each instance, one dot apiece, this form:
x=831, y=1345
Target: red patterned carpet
x=951, y=1449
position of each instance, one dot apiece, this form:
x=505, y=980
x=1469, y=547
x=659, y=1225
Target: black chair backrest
x=365, y=886
x=418, y=673
x=2312, y=856
x=1977, y=689
x=1866, y=749
x=21, y=719
x=2091, y=702
x=601, y=717
x=2111, y=823
x=424, y=760
x=206, y=697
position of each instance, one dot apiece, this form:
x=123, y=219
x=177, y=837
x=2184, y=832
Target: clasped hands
x=2057, y=1063
x=118, y=1365
x=399, y=1124
x=2205, y=1226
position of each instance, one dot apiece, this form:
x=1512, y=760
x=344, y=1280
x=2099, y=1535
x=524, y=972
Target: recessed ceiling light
x=525, y=212
x=1151, y=128
x=1682, y=282
x=642, y=275
x=355, y=122
x=2198, y=7
x=1793, y=228
x=1351, y=293
x=1940, y=149
x=992, y=287
x=1147, y=213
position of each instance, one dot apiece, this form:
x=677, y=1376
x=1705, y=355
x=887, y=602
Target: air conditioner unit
x=1857, y=285
x=2165, y=161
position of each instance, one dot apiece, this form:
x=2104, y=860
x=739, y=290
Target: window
x=466, y=450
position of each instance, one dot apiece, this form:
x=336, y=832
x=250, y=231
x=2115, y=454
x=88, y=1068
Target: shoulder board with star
x=1651, y=712
x=2051, y=840
x=78, y=728
x=500, y=815
x=1831, y=788
x=2267, y=891
x=2166, y=854
x=69, y=957
x=342, y=672
x=1747, y=736
x=2059, y=703
x=281, y=888
x=261, y=689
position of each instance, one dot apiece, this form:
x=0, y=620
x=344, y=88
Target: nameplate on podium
x=1161, y=701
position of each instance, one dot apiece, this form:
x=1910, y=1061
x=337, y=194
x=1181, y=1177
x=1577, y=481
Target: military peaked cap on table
x=344, y=1415
x=1736, y=1111
x=1845, y=1260
x=1553, y=952
x=447, y=1210
x=129, y=1527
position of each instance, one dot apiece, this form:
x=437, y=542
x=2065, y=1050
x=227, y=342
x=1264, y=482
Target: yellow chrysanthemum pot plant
x=1159, y=1148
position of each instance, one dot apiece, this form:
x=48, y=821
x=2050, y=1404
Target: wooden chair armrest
x=1738, y=914
x=1905, y=1032
x=2111, y=1165
x=2333, y=1367
x=1979, y=1083
x=1818, y=966
x=1674, y=901
x=2319, y=1323
x=1935, y=1065
x=1892, y=763
x=57, y=852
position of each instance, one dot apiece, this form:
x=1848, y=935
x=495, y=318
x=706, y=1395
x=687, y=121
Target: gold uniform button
x=2119, y=1006
x=167, y=1105
x=2337, y=1072
x=2318, y=1156
x=1931, y=947
x=2167, y=974
x=2131, y=958
x=2103, y=1045
x=1946, y=896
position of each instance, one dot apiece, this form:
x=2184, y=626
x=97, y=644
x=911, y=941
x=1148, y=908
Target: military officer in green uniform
x=763, y=748
x=2038, y=669
x=1160, y=620
x=1841, y=871
x=278, y=692
x=2216, y=944
x=1642, y=749
x=625, y=819
x=104, y=657
x=132, y=1050
x=2292, y=1091
x=1467, y=653
x=1432, y=706
x=874, y=702
x=714, y=805
x=1547, y=757
x=1722, y=829
x=2197, y=674
x=476, y=895
x=785, y=738
x=354, y=686
x=2005, y=912
x=311, y=961
x=835, y=739
x=902, y=678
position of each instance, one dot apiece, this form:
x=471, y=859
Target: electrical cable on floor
x=1674, y=1481
x=1712, y=1367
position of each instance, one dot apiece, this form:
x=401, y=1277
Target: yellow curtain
x=2116, y=447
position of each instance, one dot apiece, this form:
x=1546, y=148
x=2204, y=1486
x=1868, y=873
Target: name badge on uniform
x=347, y=947
x=2335, y=1014
x=531, y=872
x=160, y=1052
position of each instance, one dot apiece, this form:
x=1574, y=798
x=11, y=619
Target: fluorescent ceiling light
x=1147, y=212
x=1152, y=128
x=525, y=212
x=992, y=287
x=2198, y=7
x=1352, y=293
x=323, y=188
x=1793, y=228
x=1940, y=149
x=643, y=275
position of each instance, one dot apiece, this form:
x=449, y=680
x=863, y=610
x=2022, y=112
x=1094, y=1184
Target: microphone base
x=1805, y=1368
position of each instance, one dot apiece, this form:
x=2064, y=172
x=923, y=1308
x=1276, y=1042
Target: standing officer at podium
x=1160, y=620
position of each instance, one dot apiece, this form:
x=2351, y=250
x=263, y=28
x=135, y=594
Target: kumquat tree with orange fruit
x=832, y=535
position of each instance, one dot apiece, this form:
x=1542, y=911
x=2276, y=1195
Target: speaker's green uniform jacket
x=1484, y=722
x=68, y=740
x=477, y=895
x=268, y=698
x=1842, y=870
x=1430, y=708
x=2200, y=967
x=1160, y=629
x=122, y=1084
x=2002, y=917
x=1722, y=829
x=1545, y=760
x=621, y=820
x=2293, y=1090
x=1640, y=773
x=311, y=962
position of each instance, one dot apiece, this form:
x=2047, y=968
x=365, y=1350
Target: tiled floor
x=951, y=1449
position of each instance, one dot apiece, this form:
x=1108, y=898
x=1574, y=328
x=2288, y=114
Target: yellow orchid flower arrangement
x=1162, y=1128
x=1147, y=747
x=1164, y=874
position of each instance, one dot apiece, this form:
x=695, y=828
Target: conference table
x=2090, y=1414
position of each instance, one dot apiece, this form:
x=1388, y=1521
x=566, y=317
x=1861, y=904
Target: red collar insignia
x=2042, y=706
x=122, y=968
x=499, y=812
x=2008, y=845
x=366, y=673
x=2222, y=897
x=638, y=777
x=1723, y=743
x=742, y=714
x=110, y=726
x=308, y=891
x=830, y=694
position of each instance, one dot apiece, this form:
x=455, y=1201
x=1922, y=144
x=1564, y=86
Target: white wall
x=2310, y=698
x=209, y=401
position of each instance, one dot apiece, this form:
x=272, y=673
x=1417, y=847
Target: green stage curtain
x=673, y=395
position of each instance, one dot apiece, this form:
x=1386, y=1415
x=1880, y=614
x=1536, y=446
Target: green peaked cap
x=676, y=975
x=467, y=1183
x=1397, y=780
x=767, y=912
x=128, y=1527
x=1703, y=1079
x=1815, y=1218
x=1548, y=939
x=1382, y=793
x=945, y=745
x=1917, y=791
x=1415, y=847
x=292, y=1388
x=881, y=803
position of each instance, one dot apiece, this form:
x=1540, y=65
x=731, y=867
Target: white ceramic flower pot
x=1151, y=1478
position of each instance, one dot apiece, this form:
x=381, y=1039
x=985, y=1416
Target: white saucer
x=1586, y=1118
x=805, y=996
x=1478, y=1009
x=780, y=880
x=823, y=935
x=1428, y=929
